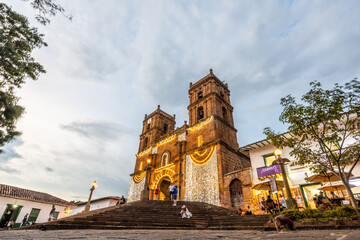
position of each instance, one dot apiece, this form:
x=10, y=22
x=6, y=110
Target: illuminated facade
x=199, y=157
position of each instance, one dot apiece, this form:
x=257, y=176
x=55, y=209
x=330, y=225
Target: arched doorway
x=236, y=193
x=164, y=189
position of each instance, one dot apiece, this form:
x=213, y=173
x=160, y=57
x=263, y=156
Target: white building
x=16, y=202
x=96, y=204
x=261, y=154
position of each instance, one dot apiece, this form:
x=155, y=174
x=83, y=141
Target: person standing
x=10, y=225
x=319, y=199
x=157, y=193
x=171, y=191
x=51, y=215
x=23, y=222
x=175, y=192
x=283, y=202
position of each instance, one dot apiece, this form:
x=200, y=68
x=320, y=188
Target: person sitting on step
x=239, y=211
x=185, y=213
x=248, y=211
x=270, y=205
x=263, y=205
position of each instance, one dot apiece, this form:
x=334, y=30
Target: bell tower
x=155, y=125
x=211, y=97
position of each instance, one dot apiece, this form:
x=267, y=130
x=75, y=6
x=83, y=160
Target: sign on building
x=268, y=171
x=273, y=185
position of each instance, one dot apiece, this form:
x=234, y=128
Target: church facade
x=199, y=157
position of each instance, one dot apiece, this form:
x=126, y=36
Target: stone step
x=158, y=215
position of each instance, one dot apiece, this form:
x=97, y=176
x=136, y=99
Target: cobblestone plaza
x=179, y=234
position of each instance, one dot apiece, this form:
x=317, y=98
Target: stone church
x=201, y=157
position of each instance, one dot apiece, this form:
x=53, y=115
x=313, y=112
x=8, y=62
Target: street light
x=145, y=193
x=290, y=201
x=87, y=207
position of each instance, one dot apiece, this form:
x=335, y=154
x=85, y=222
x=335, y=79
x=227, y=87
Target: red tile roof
x=99, y=199
x=26, y=194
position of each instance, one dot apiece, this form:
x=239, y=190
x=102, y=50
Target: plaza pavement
x=178, y=234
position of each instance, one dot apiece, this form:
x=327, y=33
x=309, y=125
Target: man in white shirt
x=171, y=191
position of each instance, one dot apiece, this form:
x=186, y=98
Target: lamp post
x=145, y=193
x=290, y=201
x=87, y=207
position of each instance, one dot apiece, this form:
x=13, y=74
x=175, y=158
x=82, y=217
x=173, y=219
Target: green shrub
x=312, y=213
x=293, y=214
x=342, y=212
x=345, y=211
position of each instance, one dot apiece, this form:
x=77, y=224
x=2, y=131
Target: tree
x=47, y=8
x=324, y=119
x=17, y=42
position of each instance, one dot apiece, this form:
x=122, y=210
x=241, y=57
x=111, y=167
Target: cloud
x=97, y=130
x=10, y=153
x=117, y=60
x=8, y=169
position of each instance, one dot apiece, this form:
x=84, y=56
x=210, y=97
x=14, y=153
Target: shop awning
x=265, y=185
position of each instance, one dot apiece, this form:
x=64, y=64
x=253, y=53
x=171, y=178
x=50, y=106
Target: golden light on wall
x=167, y=140
x=202, y=157
x=167, y=172
x=202, y=181
x=200, y=125
x=146, y=151
x=139, y=177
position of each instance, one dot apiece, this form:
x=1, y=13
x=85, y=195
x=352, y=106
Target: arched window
x=236, y=193
x=200, y=95
x=200, y=113
x=224, y=113
x=145, y=145
x=148, y=126
x=165, y=159
x=165, y=128
x=221, y=94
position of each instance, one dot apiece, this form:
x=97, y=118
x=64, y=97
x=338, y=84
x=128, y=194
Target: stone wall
x=244, y=175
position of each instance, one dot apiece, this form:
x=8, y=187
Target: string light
x=200, y=125
x=170, y=173
x=135, y=190
x=139, y=177
x=201, y=158
x=146, y=151
x=202, y=181
x=169, y=139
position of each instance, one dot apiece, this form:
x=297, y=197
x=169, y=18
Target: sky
x=117, y=60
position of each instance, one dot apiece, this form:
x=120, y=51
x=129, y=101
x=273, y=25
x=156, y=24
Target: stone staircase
x=157, y=215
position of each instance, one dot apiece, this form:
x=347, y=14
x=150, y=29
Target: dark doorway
x=236, y=193
x=11, y=213
x=164, y=189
